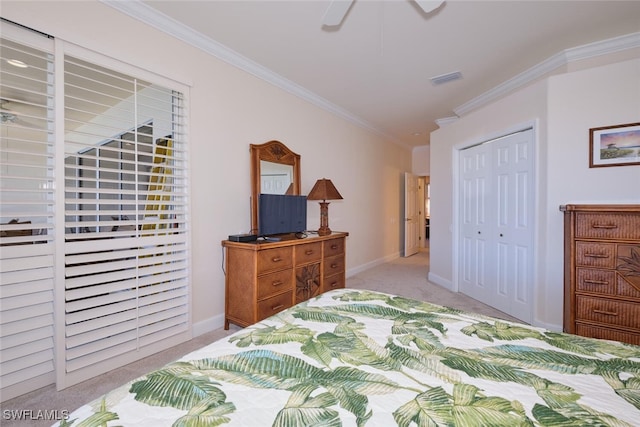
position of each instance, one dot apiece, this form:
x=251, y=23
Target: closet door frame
x=457, y=229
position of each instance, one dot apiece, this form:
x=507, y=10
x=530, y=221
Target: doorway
x=496, y=223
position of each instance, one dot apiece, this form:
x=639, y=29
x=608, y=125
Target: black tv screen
x=281, y=214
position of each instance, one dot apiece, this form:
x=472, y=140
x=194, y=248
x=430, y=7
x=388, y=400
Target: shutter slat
x=100, y=322
x=23, y=325
x=22, y=315
x=34, y=346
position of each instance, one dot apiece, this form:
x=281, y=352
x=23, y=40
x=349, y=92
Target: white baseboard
x=548, y=326
x=363, y=267
x=208, y=325
x=447, y=284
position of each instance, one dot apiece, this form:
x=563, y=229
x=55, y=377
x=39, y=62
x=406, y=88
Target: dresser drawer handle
x=277, y=283
x=277, y=307
x=596, y=282
x=308, y=252
x=605, y=226
x=276, y=259
x=596, y=255
x=606, y=313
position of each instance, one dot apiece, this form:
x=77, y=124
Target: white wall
x=421, y=159
x=230, y=109
x=563, y=108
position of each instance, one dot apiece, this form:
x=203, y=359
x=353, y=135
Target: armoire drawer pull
x=277, y=307
x=596, y=282
x=334, y=265
x=334, y=246
x=596, y=255
x=605, y=226
x=606, y=313
x=308, y=252
x=277, y=283
x=333, y=284
x=276, y=259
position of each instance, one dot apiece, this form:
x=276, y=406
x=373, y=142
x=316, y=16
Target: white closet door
x=496, y=207
x=475, y=225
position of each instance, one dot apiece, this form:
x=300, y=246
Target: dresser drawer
x=333, y=282
x=607, y=225
x=274, y=259
x=308, y=252
x=334, y=265
x=607, y=334
x=592, y=254
x=273, y=305
x=605, y=311
x=274, y=283
x=596, y=281
x=333, y=247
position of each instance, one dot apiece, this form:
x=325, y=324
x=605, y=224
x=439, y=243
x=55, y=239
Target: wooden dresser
x=602, y=271
x=264, y=278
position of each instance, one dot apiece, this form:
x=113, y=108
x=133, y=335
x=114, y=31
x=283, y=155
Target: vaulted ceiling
x=375, y=68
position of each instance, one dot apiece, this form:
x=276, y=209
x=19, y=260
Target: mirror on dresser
x=275, y=169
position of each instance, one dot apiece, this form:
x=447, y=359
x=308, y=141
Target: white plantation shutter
x=26, y=212
x=126, y=287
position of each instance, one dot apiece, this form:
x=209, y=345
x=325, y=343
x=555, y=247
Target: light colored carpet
x=408, y=277
x=403, y=276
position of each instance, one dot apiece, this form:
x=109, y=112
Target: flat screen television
x=281, y=214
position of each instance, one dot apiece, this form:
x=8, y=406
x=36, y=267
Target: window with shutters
x=126, y=257
x=26, y=212
x=94, y=245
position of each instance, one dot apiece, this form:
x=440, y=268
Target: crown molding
x=446, y=120
x=592, y=50
x=141, y=12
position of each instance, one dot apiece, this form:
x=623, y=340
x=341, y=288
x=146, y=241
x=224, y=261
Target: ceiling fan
x=9, y=117
x=338, y=9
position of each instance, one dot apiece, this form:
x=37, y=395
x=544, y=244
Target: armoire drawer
x=607, y=311
x=596, y=281
x=607, y=226
x=607, y=333
x=593, y=254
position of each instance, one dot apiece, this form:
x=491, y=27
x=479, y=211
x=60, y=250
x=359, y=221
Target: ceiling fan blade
x=428, y=5
x=336, y=12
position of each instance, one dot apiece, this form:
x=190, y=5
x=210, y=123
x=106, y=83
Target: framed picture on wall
x=617, y=145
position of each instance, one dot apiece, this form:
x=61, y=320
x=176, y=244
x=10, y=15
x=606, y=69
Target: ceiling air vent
x=446, y=78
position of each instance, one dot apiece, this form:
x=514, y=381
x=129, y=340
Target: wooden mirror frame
x=275, y=152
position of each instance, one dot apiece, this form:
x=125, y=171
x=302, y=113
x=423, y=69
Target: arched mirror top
x=275, y=169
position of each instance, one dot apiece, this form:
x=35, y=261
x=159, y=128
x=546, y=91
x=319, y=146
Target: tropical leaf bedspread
x=364, y=358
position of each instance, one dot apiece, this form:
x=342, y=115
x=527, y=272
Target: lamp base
x=324, y=231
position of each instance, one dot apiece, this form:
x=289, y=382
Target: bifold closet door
x=496, y=223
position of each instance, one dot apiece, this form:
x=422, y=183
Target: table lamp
x=324, y=190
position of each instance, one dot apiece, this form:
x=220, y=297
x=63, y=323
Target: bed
x=365, y=358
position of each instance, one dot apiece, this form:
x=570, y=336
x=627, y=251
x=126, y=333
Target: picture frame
x=617, y=145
